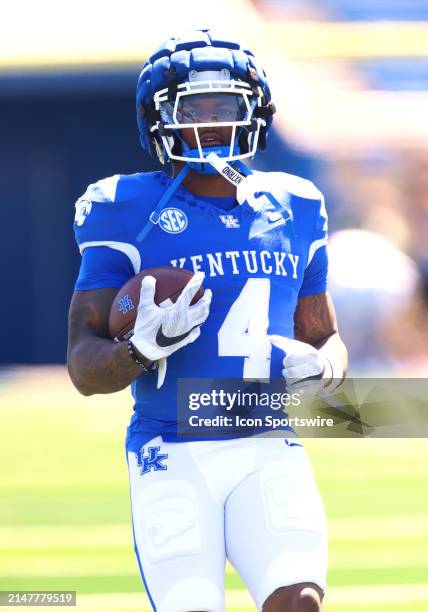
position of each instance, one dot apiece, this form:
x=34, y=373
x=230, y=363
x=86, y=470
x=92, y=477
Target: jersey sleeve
x=102, y=267
x=109, y=255
x=315, y=277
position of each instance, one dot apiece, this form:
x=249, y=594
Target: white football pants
x=253, y=501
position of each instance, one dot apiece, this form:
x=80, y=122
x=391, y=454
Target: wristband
x=132, y=352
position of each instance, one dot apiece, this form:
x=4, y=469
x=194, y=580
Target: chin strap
x=203, y=167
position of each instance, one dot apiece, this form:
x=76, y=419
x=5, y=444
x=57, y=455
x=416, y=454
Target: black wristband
x=132, y=352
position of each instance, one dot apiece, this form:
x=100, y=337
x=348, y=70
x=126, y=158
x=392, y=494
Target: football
x=169, y=284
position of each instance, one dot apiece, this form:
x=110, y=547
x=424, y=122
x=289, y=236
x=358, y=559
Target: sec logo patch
x=173, y=220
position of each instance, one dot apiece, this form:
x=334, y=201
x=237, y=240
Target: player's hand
x=305, y=369
x=158, y=331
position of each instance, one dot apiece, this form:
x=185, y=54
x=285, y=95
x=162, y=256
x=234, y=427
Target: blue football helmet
x=197, y=81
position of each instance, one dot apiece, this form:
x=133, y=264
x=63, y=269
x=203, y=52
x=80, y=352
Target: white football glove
x=160, y=331
x=305, y=368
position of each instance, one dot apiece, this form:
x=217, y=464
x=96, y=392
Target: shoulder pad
x=103, y=190
x=111, y=208
x=124, y=187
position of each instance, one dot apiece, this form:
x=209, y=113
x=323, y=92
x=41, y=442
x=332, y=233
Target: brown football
x=169, y=284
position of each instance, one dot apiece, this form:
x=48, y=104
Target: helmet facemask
x=209, y=99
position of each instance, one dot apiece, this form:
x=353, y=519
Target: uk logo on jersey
x=229, y=221
x=173, y=220
x=151, y=461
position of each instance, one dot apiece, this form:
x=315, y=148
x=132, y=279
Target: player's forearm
x=98, y=365
x=315, y=324
x=335, y=351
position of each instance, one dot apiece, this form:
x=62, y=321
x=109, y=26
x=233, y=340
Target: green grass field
x=64, y=511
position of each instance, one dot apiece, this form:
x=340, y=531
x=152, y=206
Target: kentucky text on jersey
x=237, y=262
x=257, y=261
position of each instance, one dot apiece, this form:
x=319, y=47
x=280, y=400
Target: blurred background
x=350, y=82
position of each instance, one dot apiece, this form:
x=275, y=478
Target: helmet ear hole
x=177, y=148
x=262, y=139
x=243, y=143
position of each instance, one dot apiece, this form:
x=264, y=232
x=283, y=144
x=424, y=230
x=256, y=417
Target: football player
x=259, y=246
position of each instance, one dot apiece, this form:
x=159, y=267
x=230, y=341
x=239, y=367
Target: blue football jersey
x=257, y=264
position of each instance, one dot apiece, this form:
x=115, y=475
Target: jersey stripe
x=315, y=245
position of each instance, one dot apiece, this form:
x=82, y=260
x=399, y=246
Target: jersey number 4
x=244, y=330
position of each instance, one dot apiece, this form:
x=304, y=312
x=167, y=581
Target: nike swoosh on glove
x=160, y=331
x=305, y=369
